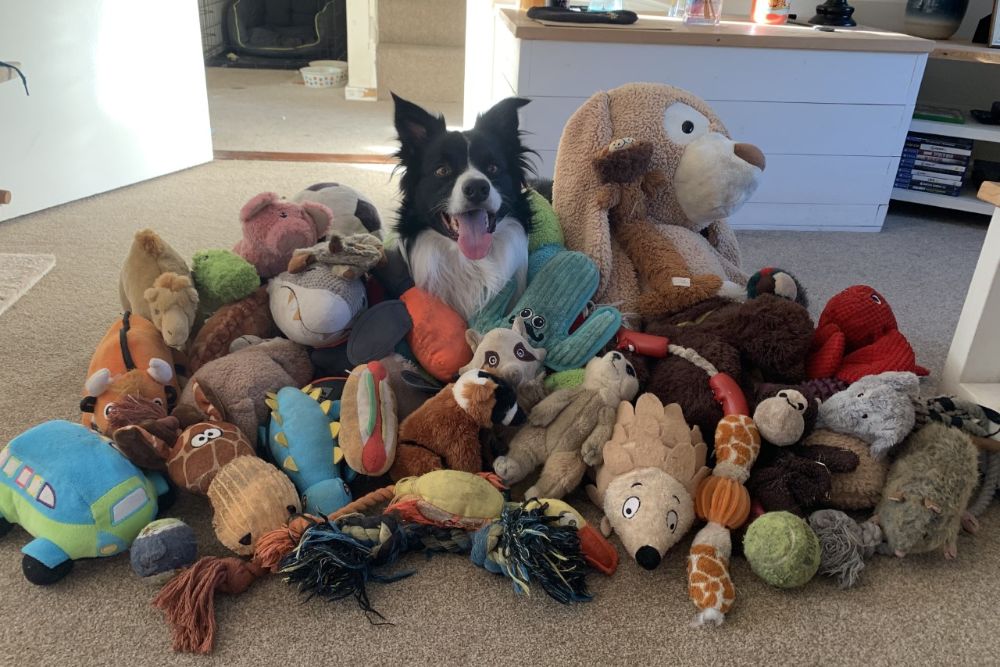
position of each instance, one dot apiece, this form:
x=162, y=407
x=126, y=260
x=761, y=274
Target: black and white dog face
x=460, y=184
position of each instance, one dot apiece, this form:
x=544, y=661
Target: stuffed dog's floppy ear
x=321, y=216
x=415, y=126
x=577, y=184
x=257, y=204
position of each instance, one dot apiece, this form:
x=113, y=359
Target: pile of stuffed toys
x=335, y=429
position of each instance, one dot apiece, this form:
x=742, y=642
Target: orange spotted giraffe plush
x=723, y=501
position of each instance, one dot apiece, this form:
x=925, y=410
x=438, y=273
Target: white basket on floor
x=323, y=77
x=337, y=67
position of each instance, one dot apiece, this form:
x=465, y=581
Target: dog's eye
x=443, y=171
x=492, y=170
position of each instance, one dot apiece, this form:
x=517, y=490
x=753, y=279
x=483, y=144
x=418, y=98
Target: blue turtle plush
x=76, y=495
x=302, y=437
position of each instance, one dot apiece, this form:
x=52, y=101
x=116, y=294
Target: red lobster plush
x=857, y=336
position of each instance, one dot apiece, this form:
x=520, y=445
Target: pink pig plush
x=273, y=227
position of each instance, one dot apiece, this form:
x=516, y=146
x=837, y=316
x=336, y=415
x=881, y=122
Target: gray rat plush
x=878, y=409
x=927, y=492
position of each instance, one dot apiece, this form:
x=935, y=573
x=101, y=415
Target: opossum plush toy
x=927, y=492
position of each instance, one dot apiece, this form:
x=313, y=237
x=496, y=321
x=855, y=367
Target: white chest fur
x=439, y=267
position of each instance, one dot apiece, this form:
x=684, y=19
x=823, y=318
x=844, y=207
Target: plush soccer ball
x=782, y=549
x=353, y=213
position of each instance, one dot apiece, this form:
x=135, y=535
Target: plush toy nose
x=647, y=557
x=750, y=153
x=476, y=190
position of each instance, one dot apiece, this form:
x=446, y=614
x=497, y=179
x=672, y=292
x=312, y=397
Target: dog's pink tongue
x=473, y=239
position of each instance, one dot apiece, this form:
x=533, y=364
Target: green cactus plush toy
x=554, y=300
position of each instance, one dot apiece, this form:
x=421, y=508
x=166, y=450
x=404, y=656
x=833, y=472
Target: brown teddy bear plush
x=765, y=339
x=704, y=177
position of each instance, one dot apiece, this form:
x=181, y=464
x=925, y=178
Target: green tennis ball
x=545, y=227
x=782, y=549
x=222, y=277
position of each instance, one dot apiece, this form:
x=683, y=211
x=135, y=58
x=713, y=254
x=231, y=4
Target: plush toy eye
x=158, y=401
x=538, y=321
x=567, y=519
x=521, y=352
x=492, y=170
x=213, y=433
x=199, y=440
x=443, y=171
x=861, y=394
x=107, y=410
x=630, y=506
x=619, y=144
x=672, y=520
x=683, y=123
x=630, y=370
x=864, y=416
x=876, y=298
x=526, y=313
x=283, y=214
x=492, y=359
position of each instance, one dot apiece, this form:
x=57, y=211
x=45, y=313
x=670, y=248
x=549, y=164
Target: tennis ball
x=782, y=549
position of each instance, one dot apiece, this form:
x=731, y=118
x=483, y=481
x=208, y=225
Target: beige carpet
x=918, y=611
x=913, y=612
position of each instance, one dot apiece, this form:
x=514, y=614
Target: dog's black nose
x=647, y=557
x=476, y=190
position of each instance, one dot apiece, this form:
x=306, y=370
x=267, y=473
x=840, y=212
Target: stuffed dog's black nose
x=476, y=190
x=647, y=557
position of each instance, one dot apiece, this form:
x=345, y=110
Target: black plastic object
x=564, y=15
x=377, y=331
x=834, y=13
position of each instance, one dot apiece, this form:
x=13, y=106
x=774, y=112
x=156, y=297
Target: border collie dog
x=464, y=217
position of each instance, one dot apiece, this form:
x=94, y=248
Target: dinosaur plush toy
x=857, y=335
x=302, y=438
x=567, y=430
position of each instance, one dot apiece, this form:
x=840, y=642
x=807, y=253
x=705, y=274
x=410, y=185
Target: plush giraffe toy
x=723, y=501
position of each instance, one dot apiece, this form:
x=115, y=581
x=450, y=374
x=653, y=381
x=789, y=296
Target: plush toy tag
x=680, y=281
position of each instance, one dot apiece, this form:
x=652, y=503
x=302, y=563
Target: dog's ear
x=502, y=118
x=414, y=125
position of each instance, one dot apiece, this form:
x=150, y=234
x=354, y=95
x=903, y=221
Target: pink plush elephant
x=274, y=227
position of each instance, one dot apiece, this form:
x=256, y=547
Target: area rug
x=18, y=273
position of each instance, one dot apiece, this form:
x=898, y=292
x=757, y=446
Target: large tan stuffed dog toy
x=681, y=250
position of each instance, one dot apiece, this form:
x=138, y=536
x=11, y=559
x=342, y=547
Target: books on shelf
x=939, y=114
x=934, y=164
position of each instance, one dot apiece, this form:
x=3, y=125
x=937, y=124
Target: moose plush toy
x=701, y=177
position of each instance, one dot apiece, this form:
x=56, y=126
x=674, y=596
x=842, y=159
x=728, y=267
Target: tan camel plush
x=155, y=283
x=699, y=177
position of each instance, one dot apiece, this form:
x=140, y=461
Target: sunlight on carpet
x=18, y=273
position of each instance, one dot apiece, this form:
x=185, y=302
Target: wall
x=117, y=96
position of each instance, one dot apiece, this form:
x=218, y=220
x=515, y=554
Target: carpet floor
x=921, y=610
x=916, y=611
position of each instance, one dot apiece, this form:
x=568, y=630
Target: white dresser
x=830, y=110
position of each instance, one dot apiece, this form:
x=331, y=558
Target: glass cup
x=703, y=12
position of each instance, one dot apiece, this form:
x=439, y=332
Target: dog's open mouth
x=472, y=230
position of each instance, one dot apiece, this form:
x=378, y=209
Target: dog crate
x=306, y=29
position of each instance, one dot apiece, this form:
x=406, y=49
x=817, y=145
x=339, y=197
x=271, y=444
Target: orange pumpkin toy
x=131, y=360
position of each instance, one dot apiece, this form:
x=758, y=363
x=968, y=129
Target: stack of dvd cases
x=931, y=163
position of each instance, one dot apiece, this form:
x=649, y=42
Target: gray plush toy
x=878, y=409
x=927, y=492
